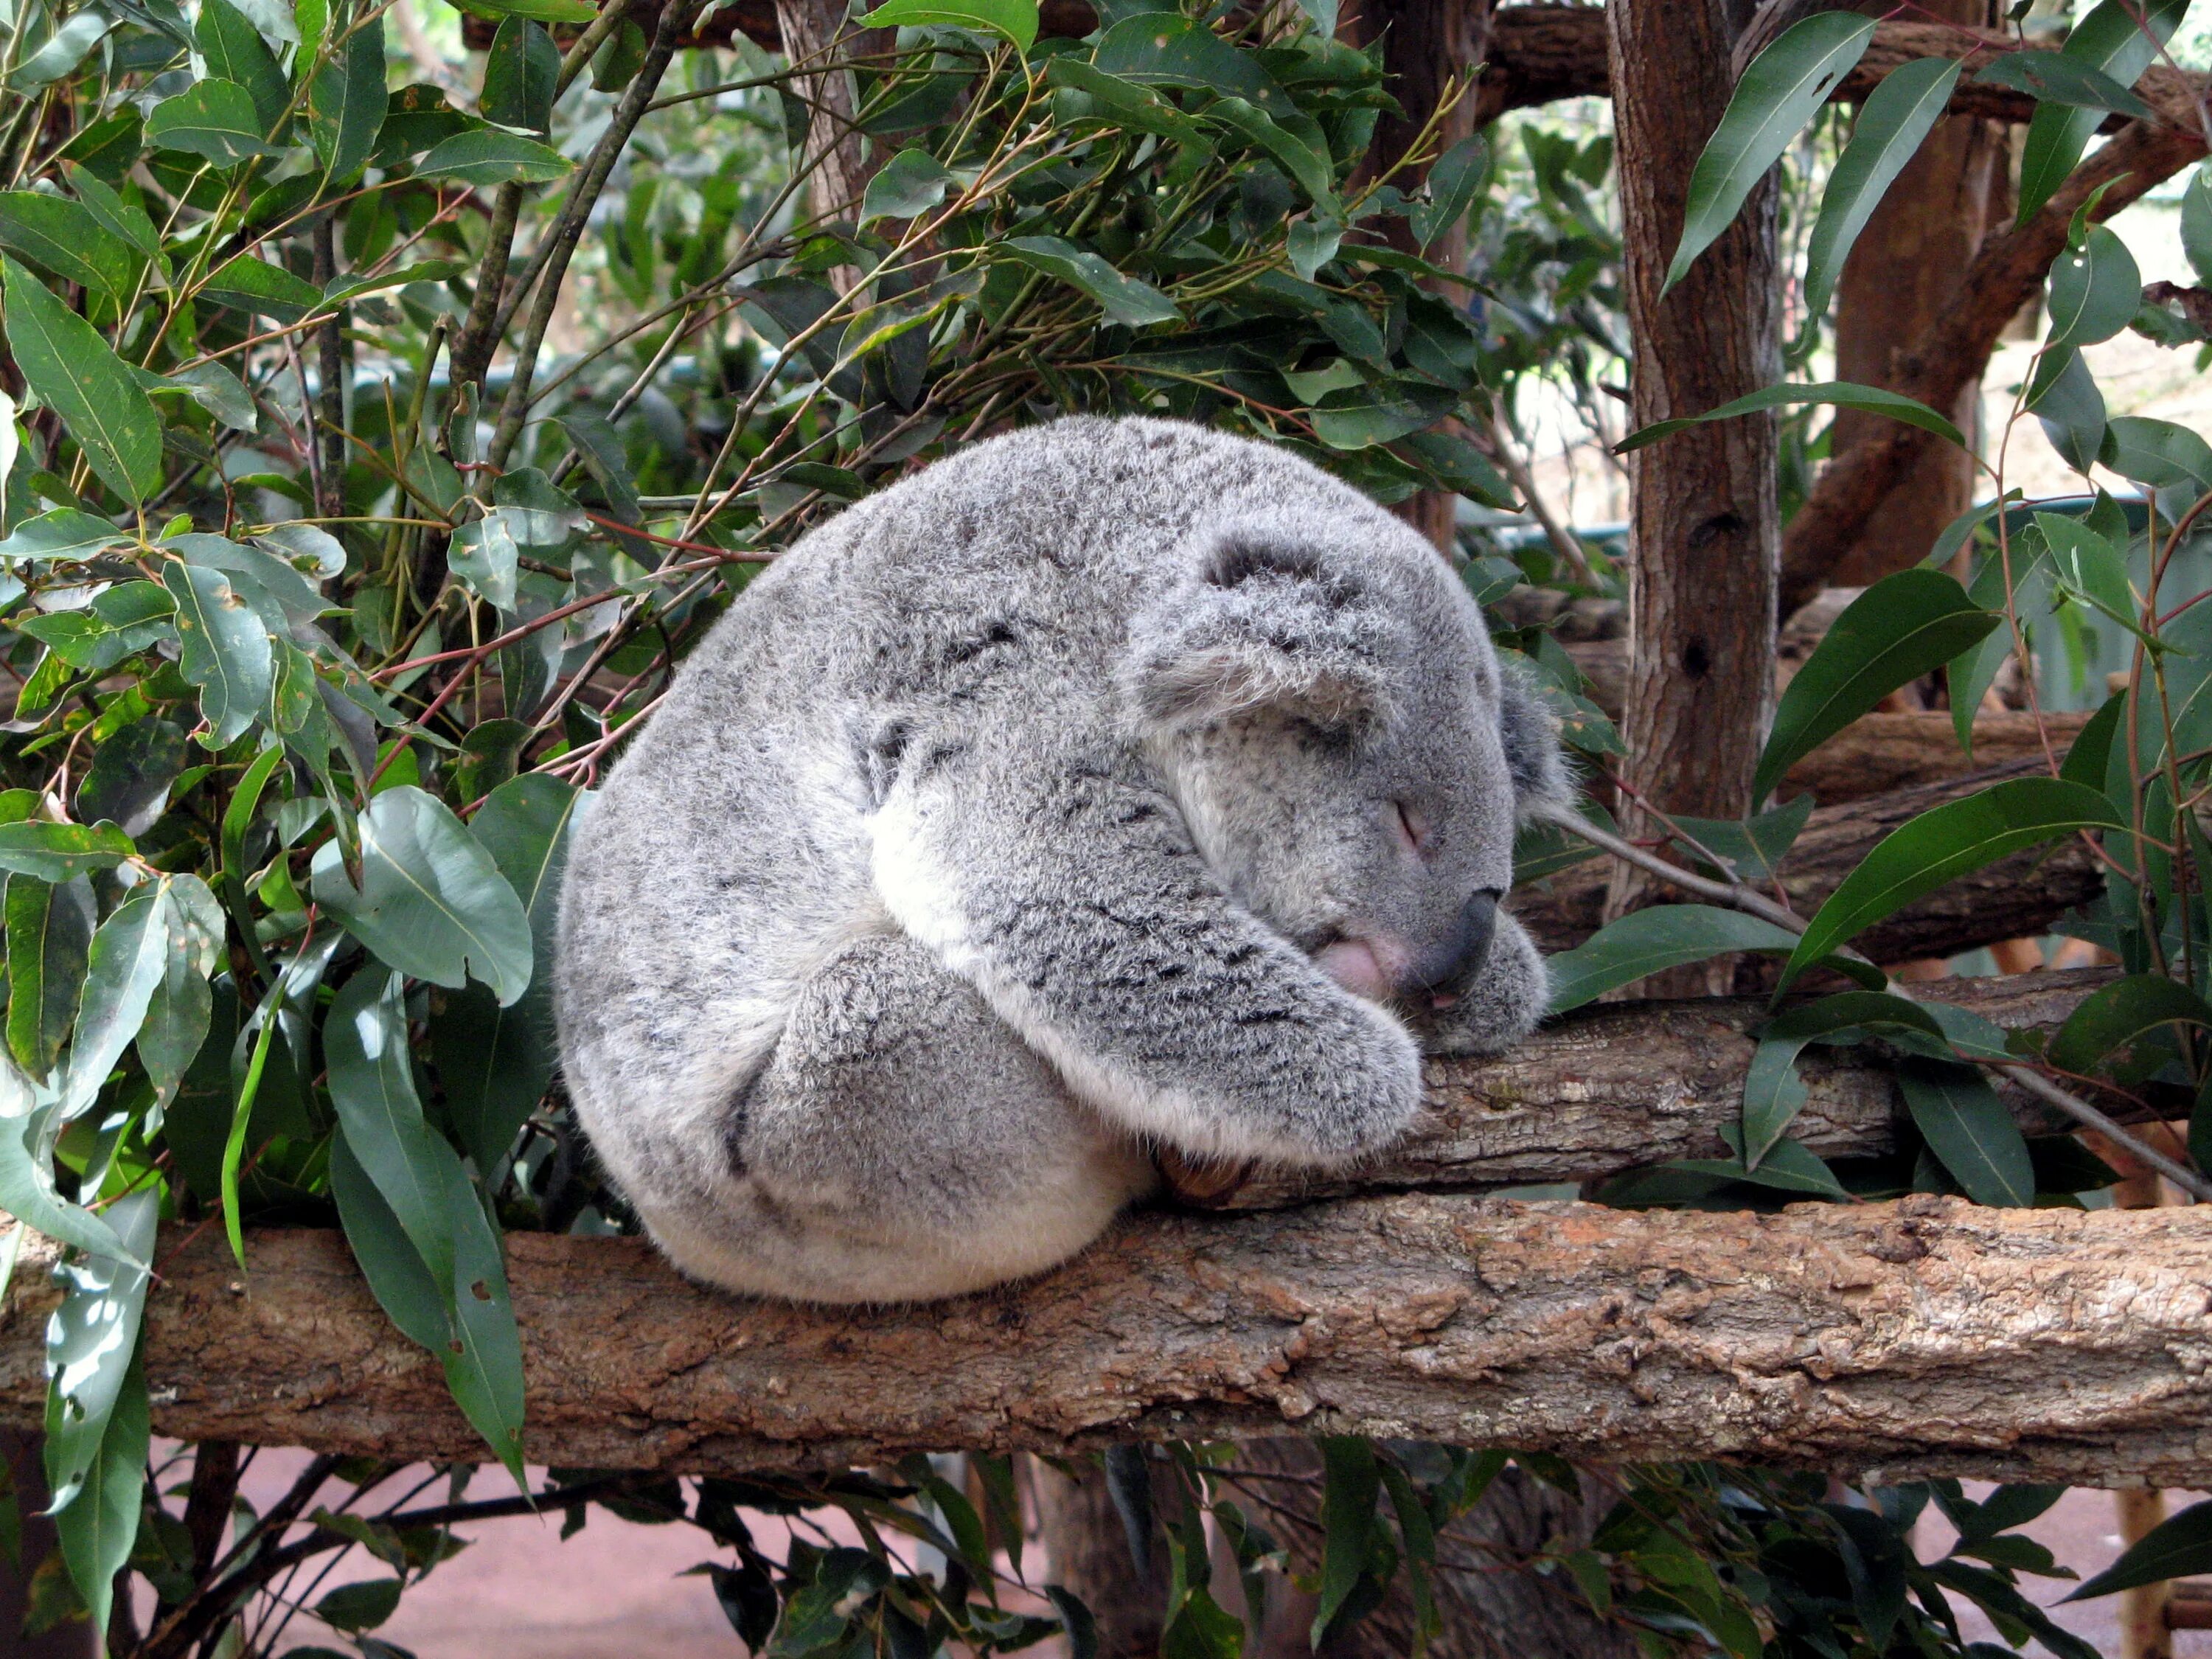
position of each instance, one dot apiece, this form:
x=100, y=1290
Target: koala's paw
x=1364, y=1090
x=1503, y=1006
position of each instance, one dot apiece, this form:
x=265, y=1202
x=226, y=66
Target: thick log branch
x=1933, y=1337
x=1924, y=1337
x=2016, y=897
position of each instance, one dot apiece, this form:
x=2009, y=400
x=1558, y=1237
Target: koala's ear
x=1266, y=618
x=1542, y=778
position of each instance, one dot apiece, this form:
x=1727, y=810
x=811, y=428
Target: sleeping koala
x=1112, y=785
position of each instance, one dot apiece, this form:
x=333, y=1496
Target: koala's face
x=1346, y=753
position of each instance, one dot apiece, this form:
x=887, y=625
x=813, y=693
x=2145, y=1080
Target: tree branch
x=1928, y=1336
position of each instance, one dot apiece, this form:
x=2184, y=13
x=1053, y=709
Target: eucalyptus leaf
x=77, y=374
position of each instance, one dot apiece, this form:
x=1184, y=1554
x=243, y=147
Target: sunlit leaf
x=1868, y=399
x=1125, y=299
x=1013, y=20
x=485, y=156
x=214, y=119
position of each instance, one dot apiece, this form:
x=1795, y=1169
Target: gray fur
x=1008, y=824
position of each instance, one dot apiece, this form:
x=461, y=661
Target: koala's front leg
x=1065, y=889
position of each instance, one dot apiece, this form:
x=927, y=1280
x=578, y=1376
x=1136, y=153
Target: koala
x=1112, y=785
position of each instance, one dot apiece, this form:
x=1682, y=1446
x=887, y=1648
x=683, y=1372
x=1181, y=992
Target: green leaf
x=2095, y=293
x=483, y=558
x=1123, y=103
x=1773, y=1092
x=1453, y=181
x=226, y=650
x=2159, y=453
x=1906, y=625
x=1781, y=91
x=1364, y=417
x=1649, y=940
x=2062, y=396
x=372, y=1085
x=99, y=1527
x=235, y=52
x=2111, y=41
x=26, y=1192
x=1968, y=1128
x=2090, y=565
x=2052, y=78
x=91, y=1340
x=78, y=375
x=483, y=1355
x=358, y=1606
x=1350, y=1487
x=63, y=237
x=1844, y=394
x=122, y=970
x=2115, y=1015
x=214, y=119
x=1165, y=49
x=1788, y=1166
x=2181, y=1546
x=49, y=932
x=347, y=100
x=432, y=901
x=63, y=533
x=55, y=852
x=1896, y=116
x=1945, y=842
x=63, y=49
x=520, y=73
x=1125, y=299
x=246, y=283
x=484, y=156
x=907, y=186
x=2197, y=223
x=1307, y=165
x=410, y=1298
x=181, y=1010
x=496, y=1063
x=1013, y=20
x=544, y=11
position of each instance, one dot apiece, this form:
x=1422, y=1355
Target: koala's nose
x=1460, y=957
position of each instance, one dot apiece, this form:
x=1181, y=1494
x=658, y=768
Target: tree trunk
x=1087, y=1550
x=1702, y=525
x=1903, y=274
x=1896, y=1340
x=816, y=37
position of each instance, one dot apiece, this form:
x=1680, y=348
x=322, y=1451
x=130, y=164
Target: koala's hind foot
x=903, y=1144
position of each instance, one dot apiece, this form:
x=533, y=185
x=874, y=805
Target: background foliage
x=333, y=575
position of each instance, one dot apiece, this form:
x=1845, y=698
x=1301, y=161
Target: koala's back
x=729, y=854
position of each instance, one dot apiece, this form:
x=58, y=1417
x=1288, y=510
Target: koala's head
x=1326, y=707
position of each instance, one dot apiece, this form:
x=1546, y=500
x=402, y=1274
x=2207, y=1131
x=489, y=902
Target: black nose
x=1460, y=958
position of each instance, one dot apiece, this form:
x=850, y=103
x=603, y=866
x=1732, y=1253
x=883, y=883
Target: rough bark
x=1953, y=351
x=2016, y=897
x=1903, y=274
x=1891, y=1340
x=1704, y=524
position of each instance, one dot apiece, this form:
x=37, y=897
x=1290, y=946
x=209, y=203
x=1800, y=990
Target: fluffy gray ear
x=1266, y=616
x=1541, y=779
